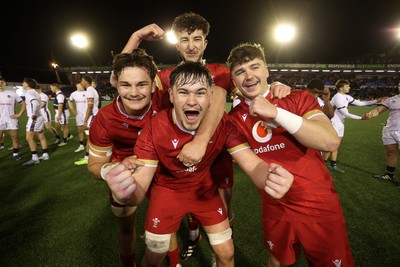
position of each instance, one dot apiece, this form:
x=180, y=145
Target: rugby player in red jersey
x=175, y=183
x=292, y=132
x=191, y=31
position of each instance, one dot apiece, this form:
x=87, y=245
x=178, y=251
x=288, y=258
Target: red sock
x=173, y=257
x=128, y=261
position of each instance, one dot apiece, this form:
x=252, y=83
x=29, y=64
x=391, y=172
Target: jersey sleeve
x=100, y=141
x=145, y=149
x=235, y=139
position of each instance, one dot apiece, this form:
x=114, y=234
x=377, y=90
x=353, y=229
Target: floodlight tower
x=81, y=41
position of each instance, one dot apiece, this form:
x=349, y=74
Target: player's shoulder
x=217, y=67
x=167, y=70
x=338, y=96
x=298, y=93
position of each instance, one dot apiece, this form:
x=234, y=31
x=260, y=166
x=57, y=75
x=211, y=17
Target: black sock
x=390, y=171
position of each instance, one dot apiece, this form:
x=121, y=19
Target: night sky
x=328, y=31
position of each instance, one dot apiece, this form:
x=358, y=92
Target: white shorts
x=339, y=127
x=80, y=119
x=390, y=137
x=7, y=123
x=63, y=118
x=47, y=116
x=36, y=126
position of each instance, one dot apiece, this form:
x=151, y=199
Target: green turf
x=56, y=214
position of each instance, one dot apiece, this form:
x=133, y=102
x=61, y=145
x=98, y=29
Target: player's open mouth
x=191, y=114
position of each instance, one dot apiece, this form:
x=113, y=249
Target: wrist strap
x=291, y=122
x=106, y=168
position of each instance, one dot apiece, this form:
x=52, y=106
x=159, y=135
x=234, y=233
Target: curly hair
x=190, y=22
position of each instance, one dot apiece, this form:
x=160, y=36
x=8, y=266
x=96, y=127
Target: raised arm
x=151, y=32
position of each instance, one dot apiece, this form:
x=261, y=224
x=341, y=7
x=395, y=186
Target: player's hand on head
x=278, y=181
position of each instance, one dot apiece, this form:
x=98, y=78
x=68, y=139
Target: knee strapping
x=221, y=237
x=157, y=243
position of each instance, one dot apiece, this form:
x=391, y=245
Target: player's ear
x=171, y=96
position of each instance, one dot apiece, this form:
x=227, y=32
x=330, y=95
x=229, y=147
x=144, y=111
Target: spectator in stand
x=8, y=117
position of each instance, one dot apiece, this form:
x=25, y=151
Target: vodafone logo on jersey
x=262, y=132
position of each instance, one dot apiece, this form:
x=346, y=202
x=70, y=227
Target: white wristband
x=106, y=168
x=291, y=122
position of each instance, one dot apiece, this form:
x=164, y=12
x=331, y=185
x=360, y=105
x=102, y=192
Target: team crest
x=262, y=132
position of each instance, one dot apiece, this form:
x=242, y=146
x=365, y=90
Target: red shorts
x=323, y=243
x=222, y=170
x=167, y=208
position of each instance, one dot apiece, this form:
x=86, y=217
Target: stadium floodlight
x=285, y=33
x=56, y=66
x=79, y=40
x=171, y=38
